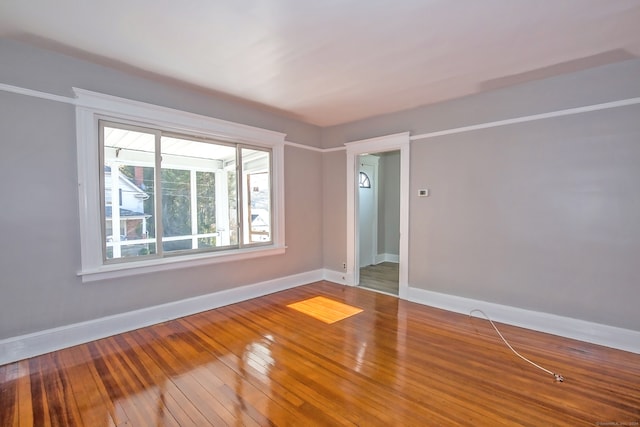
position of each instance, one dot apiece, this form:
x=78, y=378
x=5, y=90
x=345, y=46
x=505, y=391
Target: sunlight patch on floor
x=325, y=309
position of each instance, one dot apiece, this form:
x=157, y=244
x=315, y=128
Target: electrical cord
x=558, y=377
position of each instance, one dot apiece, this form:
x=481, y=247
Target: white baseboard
x=334, y=276
x=34, y=344
x=30, y=345
x=387, y=258
x=609, y=336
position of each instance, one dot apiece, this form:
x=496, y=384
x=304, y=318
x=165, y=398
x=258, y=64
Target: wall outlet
x=344, y=265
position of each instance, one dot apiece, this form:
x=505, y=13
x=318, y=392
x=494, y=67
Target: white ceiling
x=334, y=61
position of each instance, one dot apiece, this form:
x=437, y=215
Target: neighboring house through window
x=132, y=222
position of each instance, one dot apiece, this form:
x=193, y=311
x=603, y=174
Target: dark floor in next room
x=381, y=277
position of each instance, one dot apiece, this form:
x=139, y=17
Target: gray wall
x=602, y=84
x=39, y=244
x=389, y=204
x=334, y=225
x=540, y=215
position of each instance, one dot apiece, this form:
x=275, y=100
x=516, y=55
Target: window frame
x=91, y=107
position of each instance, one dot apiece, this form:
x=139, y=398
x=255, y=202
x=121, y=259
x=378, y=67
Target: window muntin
x=128, y=172
x=186, y=194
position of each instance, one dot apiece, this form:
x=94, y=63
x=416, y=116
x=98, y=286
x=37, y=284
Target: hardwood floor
x=380, y=277
x=260, y=363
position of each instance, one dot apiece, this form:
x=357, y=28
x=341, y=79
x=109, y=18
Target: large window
x=167, y=194
x=164, y=189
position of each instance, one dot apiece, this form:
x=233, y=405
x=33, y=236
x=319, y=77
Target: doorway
x=368, y=189
x=378, y=221
x=358, y=251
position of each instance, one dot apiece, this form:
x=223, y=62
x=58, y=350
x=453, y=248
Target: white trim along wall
x=566, y=112
x=609, y=336
x=29, y=345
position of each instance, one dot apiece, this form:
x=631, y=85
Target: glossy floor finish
x=260, y=362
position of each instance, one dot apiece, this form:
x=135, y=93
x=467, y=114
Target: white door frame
x=398, y=141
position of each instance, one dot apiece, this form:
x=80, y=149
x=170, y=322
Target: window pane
x=232, y=196
x=127, y=179
x=206, y=221
x=256, y=170
x=176, y=203
x=196, y=208
x=176, y=208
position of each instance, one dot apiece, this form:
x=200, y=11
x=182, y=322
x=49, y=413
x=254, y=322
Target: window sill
x=125, y=269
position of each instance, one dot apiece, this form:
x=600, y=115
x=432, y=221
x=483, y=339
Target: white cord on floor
x=558, y=377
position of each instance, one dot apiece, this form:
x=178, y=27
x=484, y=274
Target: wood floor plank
x=175, y=394
x=60, y=393
x=99, y=399
x=42, y=415
x=248, y=378
x=92, y=407
x=121, y=387
x=9, y=403
x=171, y=363
x=24, y=394
x=259, y=363
x=358, y=387
x=247, y=386
x=161, y=395
x=318, y=358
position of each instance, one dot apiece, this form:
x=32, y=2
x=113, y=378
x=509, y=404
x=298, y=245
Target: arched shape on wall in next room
x=365, y=182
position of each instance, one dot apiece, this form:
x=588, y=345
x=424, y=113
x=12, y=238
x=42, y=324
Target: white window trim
x=92, y=106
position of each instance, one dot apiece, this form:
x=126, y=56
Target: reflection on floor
x=380, y=277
